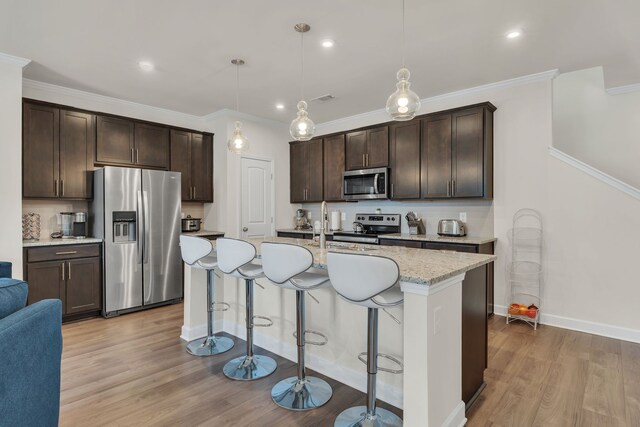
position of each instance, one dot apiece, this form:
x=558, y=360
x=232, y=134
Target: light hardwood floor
x=133, y=371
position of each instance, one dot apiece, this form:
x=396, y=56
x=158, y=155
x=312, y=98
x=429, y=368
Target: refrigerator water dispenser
x=124, y=227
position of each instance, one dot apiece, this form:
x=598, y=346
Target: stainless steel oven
x=365, y=184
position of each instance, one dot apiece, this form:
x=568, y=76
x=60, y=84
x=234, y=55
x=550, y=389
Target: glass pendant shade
x=238, y=143
x=302, y=127
x=403, y=104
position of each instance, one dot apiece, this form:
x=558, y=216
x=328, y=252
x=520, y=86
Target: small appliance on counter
x=191, y=224
x=73, y=225
x=416, y=226
x=301, y=220
x=451, y=227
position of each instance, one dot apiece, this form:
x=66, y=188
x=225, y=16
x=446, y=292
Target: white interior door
x=257, y=193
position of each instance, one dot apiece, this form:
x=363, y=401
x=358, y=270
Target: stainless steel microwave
x=365, y=184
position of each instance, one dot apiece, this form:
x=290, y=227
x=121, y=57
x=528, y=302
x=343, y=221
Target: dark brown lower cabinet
x=71, y=273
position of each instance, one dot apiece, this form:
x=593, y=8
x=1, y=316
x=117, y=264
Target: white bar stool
x=196, y=252
x=369, y=281
x=286, y=266
x=234, y=259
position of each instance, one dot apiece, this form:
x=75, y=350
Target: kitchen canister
x=31, y=226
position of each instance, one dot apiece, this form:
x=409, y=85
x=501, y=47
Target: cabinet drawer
x=406, y=243
x=60, y=252
x=450, y=247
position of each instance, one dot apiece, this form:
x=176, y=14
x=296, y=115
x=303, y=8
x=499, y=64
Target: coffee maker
x=73, y=225
x=301, y=220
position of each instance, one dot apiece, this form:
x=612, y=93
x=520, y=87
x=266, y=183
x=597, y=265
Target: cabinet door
x=46, y=281
x=378, y=147
x=77, y=140
x=467, y=147
x=202, y=167
x=298, y=172
x=333, y=147
x=181, y=159
x=114, y=141
x=474, y=331
x=436, y=157
x=83, y=286
x=355, y=148
x=40, y=150
x=405, y=160
x=152, y=145
x=315, y=167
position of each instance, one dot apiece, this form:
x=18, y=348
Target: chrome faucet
x=323, y=225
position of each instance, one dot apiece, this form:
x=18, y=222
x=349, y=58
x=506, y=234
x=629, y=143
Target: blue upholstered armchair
x=30, y=352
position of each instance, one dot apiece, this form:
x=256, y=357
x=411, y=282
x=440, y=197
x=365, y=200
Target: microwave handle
x=375, y=183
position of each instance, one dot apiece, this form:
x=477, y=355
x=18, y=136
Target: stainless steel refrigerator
x=137, y=214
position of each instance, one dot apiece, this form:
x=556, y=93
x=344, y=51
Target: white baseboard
x=198, y=331
x=602, y=329
x=351, y=377
x=456, y=418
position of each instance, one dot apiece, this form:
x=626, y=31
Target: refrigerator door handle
x=145, y=202
x=140, y=228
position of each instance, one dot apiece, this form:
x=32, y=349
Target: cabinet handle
x=137, y=156
x=392, y=191
x=132, y=159
x=55, y=187
x=194, y=191
x=67, y=253
x=367, y=158
x=69, y=275
x=448, y=188
x=61, y=187
x=453, y=187
x=63, y=271
x=363, y=162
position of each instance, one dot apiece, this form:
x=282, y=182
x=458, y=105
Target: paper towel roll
x=336, y=221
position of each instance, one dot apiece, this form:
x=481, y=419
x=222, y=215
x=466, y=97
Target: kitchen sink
x=342, y=246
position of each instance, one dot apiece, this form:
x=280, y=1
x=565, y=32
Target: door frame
x=273, y=194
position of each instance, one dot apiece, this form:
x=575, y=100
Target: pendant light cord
x=238, y=88
x=302, y=66
x=403, y=37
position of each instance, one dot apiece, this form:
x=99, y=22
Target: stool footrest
x=324, y=339
x=363, y=358
x=225, y=306
x=268, y=323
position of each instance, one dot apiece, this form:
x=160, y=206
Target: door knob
x=245, y=229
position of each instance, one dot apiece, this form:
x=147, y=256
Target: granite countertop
x=307, y=231
x=59, y=242
x=441, y=239
x=203, y=233
x=421, y=266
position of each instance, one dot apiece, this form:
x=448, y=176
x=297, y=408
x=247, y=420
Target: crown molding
x=596, y=173
x=380, y=114
x=619, y=90
x=103, y=99
x=13, y=60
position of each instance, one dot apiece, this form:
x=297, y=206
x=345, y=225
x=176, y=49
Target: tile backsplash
x=48, y=209
x=479, y=213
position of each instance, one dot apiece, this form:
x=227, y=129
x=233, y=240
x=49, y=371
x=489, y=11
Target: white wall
x=11, y=169
x=595, y=127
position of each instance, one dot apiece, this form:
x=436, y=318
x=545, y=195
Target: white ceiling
x=95, y=46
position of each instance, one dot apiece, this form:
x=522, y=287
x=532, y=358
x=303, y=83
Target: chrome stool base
x=209, y=346
x=301, y=395
x=247, y=368
x=357, y=417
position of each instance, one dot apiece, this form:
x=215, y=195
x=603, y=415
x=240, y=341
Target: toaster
x=451, y=227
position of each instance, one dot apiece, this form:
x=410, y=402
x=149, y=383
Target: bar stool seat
x=372, y=282
x=287, y=266
x=197, y=253
x=235, y=259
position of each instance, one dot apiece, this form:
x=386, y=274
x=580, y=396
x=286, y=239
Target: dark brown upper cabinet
x=333, y=167
x=457, y=153
x=125, y=142
x=404, y=156
x=306, y=171
x=192, y=156
x=57, y=152
x=367, y=148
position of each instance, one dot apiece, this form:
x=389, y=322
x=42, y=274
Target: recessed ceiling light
x=146, y=66
x=514, y=34
x=327, y=43
x=280, y=106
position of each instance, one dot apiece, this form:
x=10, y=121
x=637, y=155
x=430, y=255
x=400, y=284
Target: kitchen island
x=431, y=330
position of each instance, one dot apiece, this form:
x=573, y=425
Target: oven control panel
x=379, y=219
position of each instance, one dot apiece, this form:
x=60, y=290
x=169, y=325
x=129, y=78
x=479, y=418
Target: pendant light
x=238, y=143
x=302, y=128
x=403, y=104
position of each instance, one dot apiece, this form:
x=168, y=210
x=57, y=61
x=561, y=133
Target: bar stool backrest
x=282, y=261
x=233, y=254
x=194, y=248
x=361, y=277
